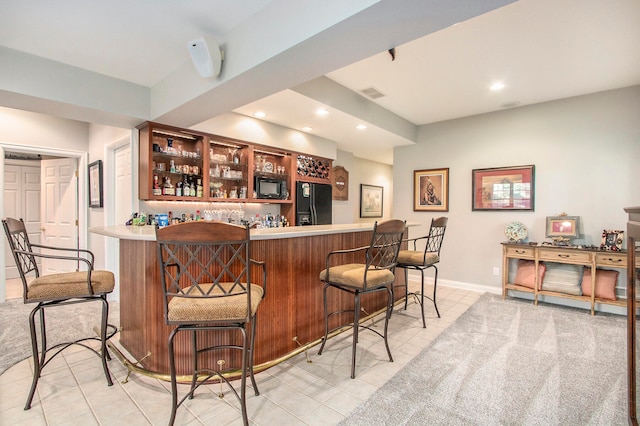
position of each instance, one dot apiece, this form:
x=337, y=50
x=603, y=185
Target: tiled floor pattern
x=73, y=390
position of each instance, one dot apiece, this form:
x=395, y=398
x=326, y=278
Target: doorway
x=79, y=159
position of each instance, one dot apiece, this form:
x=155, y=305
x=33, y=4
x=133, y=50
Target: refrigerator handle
x=314, y=215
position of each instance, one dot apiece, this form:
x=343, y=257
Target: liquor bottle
x=179, y=189
x=199, y=188
x=192, y=189
x=168, y=187
x=156, y=187
x=186, y=189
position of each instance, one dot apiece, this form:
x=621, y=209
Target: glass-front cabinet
x=228, y=171
x=633, y=302
x=171, y=163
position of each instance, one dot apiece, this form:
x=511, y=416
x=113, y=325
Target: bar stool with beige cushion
x=423, y=259
x=66, y=288
x=375, y=273
x=206, y=274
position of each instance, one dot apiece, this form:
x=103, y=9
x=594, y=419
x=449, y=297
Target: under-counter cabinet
x=536, y=261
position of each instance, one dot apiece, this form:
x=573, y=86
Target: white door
x=59, y=209
x=22, y=201
x=122, y=185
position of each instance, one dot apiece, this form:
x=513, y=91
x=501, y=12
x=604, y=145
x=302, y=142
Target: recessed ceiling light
x=259, y=114
x=322, y=111
x=361, y=127
x=498, y=85
x=307, y=129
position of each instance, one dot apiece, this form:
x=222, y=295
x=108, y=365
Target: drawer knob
x=520, y=251
x=614, y=260
x=564, y=255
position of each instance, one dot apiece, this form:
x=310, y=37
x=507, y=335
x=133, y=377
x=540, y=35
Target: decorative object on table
x=95, y=184
x=503, y=188
x=340, y=181
x=612, y=240
x=561, y=229
x=516, y=232
x=371, y=198
x=431, y=190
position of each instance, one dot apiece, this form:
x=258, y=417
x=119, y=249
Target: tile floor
x=73, y=390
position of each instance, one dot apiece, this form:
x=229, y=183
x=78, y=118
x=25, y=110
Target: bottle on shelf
x=156, y=186
x=179, y=189
x=192, y=189
x=186, y=188
x=168, y=187
x=199, y=188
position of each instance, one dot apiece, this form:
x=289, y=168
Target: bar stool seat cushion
x=68, y=285
x=231, y=308
x=417, y=258
x=351, y=274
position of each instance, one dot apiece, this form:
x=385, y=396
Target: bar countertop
x=147, y=233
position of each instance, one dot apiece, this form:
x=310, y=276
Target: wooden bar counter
x=289, y=318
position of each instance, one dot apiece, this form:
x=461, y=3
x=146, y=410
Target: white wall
x=585, y=151
x=362, y=172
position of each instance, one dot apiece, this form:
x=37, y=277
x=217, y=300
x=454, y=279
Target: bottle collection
x=224, y=215
x=189, y=184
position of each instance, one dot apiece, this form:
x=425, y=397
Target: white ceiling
x=541, y=49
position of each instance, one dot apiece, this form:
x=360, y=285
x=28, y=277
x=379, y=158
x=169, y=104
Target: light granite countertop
x=147, y=233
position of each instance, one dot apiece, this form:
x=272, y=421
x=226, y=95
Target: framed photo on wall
x=431, y=190
x=371, y=198
x=95, y=184
x=503, y=188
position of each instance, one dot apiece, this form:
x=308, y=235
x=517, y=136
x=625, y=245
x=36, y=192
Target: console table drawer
x=616, y=260
x=520, y=252
x=564, y=256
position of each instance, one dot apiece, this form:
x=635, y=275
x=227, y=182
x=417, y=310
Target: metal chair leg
x=243, y=379
x=37, y=364
x=406, y=287
x=104, y=354
x=194, y=353
x=356, y=324
x=326, y=320
x=174, y=385
x=435, y=285
x=386, y=321
x=251, y=355
x=424, y=321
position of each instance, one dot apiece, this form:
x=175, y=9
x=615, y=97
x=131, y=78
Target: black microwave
x=271, y=188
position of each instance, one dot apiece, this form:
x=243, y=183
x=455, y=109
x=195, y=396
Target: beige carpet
x=511, y=363
x=64, y=323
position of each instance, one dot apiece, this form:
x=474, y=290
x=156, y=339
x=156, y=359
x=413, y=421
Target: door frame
x=112, y=245
x=83, y=213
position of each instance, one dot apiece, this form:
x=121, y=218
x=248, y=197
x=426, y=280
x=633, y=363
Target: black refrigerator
x=313, y=204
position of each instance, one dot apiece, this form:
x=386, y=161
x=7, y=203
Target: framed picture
x=612, y=240
x=431, y=190
x=371, y=200
x=563, y=226
x=503, y=188
x=95, y=184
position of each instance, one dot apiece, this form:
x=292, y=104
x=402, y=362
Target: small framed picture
x=95, y=184
x=503, y=188
x=431, y=190
x=371, y=198
x=563, y=226
x=612, y=240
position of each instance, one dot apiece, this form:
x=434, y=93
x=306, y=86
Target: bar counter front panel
x=291, y=314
